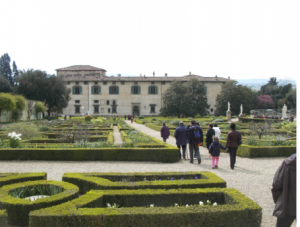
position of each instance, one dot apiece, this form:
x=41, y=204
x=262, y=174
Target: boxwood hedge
x=233, y=210
x=151, y=180
x=19, y=209
x=166, y=154
x=3, y=218
x=12, y=178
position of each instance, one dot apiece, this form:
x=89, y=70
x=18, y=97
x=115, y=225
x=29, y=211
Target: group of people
x=192, y=135
x=265, y=116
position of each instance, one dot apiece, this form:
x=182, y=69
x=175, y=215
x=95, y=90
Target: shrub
x=233, y=210
x=141, y=117
x=3, y=218
x=88, y=118
x=175, y=122
x=28, y=130
x=45, y=129
x=14, y=140
x=39, y=107
x=12, y=178
x=198, y=116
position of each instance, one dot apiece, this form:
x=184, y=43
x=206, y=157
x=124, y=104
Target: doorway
x=135, y=111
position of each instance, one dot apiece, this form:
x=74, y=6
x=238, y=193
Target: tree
x=20, y=106
x=39, y=107
x=38, y=85
x=269, y=87
x=7, y=102
x=5, y=85
x=265, y=102
x=290, y=99
x=5, y=69
x=15, y=72
x=236, y=95
x=260, y=129
x=188, y=99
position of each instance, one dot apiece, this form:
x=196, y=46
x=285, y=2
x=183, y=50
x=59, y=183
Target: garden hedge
x=255, y=152
x=12, y=178
x=155, y=180
x=157, y=128
x=257, y=120
x=233, y=210
x=3, y=218
x=19, y=209
x=166, y=154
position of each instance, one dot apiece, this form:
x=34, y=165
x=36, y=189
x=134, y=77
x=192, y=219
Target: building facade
x=94, y=93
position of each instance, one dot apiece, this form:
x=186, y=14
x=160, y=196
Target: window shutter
x=149, y=90
x=205, y=90
x=156, y=90
x=80, y=90
x=73, y=90
x=92, y=90
x=99, y=90
x=110, y=90
x=139, y=90
x=132, y=89
x=117, y=90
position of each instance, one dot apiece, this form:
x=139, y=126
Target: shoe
x=191, y=162
x=232, y=168
x=199, y=161
x=216, y=167
x=213, y=167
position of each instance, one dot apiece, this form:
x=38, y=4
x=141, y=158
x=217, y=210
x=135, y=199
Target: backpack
x=196, y=134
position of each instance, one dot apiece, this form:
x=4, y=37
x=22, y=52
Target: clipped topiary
x=175, y=122
x=88, y=118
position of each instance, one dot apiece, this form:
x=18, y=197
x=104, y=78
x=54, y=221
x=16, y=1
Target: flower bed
x=155, y=180
x=12, y=178
x=233, y=210
x=19, y=209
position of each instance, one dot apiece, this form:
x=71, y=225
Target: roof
x=79, y=77
x=81, y=68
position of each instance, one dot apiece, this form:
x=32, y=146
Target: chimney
x=153, y=74
x=119, y=75
x=166, y=75
x=190, y=73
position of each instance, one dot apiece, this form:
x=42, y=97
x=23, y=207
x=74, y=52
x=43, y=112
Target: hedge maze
x=127, y=199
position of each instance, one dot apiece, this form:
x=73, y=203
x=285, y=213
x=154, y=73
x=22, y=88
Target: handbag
x=240, y=141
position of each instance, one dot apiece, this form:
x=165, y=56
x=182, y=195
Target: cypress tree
x=5, y=69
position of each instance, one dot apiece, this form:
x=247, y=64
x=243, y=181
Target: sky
x=236, y=38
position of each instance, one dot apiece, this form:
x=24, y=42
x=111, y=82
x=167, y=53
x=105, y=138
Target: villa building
x=94, y=93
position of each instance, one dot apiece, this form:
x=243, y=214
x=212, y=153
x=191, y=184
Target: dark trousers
x=183, y=150
x=232, y=153
x=194, y=147
x=287, y=221
x=164, y=139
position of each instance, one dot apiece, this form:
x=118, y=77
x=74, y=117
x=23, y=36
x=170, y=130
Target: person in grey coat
x=284, y=192
x=181, y=138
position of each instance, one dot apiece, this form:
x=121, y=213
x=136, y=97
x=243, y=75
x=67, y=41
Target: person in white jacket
x=217, y=130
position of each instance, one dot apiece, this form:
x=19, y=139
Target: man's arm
x=278, y=179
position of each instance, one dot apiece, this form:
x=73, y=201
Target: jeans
x=287, y=221
x=194, y=147
x=183, y=150
x=232, y=153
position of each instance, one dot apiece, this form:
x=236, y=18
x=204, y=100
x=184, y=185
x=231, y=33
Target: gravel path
x=253, y=177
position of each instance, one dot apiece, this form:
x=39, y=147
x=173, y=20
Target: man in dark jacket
x=284, y=192
x=193, y=142
x=209, y=135
x=181, y=137
x=164, y=132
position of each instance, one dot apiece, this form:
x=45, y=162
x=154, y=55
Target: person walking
x=284, y=192
x=131, y=119
x=214, y=151
x=232, y=144
x=195, y=136
x=209, y=135
x=164, y=132
x=217, y=130
x=125, y=117
x=181, y=138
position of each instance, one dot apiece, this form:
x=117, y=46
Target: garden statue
x=228, y=106
x=241, y=113
x=284, y=110
x=228, y=113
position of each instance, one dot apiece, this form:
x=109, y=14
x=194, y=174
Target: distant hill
x=257, y=83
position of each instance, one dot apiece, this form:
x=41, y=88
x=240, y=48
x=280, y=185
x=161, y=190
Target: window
x=77, y=101
x=76, y=90
x=114, y=102
x=135, y=89
x=85, y=82
x=113, y=90
x=96, y=101
x=96, y=82
x=102, y=110
x=152, y=90
x=211, y=110
x=107, y=102
x=114, y=109
x=108, y=110
x=96, y=109
x=76, y=83
x=122, y=82
x=77, y=109
x=104, y=82
x=68, y=82
x=96, y=90
x=152, y=108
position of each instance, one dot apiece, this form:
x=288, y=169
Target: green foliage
x=188, y=99
x=28, y=130
x=147, y=180
x=11, y=178
x=3, y=218
x=236, y=95
x=5, y=86
x=88, y=118
x=39, y=107
x=20, y=102
x=7, y=102
x=24, y=192
x=198, y=116
x=45, y=129
x=175, y=122
x=235, y=209
x=5, y=69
